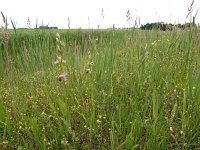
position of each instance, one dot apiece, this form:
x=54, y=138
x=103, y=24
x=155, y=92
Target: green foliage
x=165, y=26
x=100, y=89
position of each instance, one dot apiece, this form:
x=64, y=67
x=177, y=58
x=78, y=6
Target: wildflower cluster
x=90, y=63
x=60, y=47
x=59, y=60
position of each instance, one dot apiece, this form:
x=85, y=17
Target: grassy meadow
x=100, y=89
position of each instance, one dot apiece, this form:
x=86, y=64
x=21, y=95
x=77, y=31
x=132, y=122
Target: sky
x=89, y=14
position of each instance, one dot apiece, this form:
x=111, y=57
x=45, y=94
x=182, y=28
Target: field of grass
x=100, y=89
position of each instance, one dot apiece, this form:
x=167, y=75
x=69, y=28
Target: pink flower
x=56, y=62
x=59, y=60
x=62, y=77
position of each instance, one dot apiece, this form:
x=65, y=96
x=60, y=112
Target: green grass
x=127, y=89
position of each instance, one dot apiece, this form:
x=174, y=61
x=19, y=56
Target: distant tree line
x=164, y=26
x=40, y=27
x=47, y=27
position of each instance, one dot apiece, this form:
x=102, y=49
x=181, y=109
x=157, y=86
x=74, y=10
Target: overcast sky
x=88, y=13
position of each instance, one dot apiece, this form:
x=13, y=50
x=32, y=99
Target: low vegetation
x=100, y=89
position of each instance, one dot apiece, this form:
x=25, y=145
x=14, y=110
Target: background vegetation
x=100, y=89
